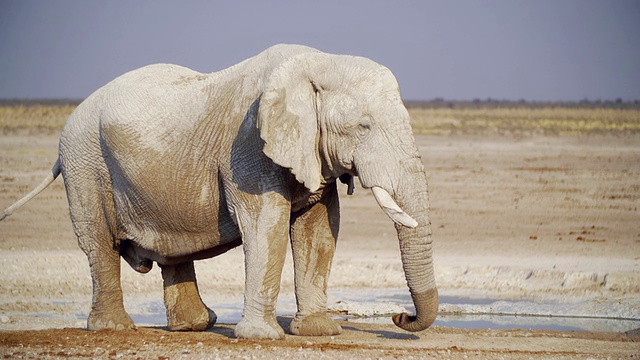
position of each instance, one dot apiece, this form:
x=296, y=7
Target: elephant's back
x=134, y=95
x=154, y=75
x=153, y=105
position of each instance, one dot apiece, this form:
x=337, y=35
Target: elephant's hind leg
x=185, y=309
x=313, y=240
x=93, y=214
x=107, y=308
x=91, y=225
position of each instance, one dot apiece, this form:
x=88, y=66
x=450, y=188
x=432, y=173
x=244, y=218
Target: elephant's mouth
x=385, y=201
x=348, y=179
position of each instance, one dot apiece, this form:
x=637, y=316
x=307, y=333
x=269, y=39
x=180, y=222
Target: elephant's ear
x=288, y=120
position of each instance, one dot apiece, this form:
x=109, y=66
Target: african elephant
x=168, y=165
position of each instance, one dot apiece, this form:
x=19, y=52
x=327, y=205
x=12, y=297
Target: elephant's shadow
x=227, y=330
x=285, y=322
x=385, y=334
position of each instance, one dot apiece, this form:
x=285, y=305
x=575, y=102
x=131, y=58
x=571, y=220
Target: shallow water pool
x=376, y=306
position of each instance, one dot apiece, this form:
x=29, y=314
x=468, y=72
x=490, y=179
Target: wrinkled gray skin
x=168, y=165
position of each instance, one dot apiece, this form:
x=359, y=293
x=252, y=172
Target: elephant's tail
x=55, y=171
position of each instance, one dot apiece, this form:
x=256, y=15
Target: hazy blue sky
x=510, y=49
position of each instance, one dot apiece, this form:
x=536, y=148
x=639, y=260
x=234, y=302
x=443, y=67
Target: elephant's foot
x=318, y=324
x=186, y=318
x=185, y=309
x=259, y=329
x=117, y=320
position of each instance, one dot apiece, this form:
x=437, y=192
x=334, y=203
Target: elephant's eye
x=364, y=126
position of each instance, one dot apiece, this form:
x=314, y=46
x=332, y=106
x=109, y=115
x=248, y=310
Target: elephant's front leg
x=264, y=223
x=185, y=309
x=314, y=233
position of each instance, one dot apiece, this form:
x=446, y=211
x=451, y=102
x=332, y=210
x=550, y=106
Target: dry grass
x=34, y=119
x=549, y=121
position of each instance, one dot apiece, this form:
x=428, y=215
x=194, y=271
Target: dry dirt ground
x=546, y=220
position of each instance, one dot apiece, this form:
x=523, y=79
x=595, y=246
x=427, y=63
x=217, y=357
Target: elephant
x=168, y=165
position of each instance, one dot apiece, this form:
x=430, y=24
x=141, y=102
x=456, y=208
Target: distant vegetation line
x=433, y=117
x=493, y=103
x=43, y=102
x=419, y=104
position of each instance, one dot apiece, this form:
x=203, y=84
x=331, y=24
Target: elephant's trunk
x=416, y=249
x=399, y=185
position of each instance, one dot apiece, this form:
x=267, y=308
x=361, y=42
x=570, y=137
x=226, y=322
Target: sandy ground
x=542, y=226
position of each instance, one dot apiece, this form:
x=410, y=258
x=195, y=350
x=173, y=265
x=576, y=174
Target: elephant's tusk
x=393, y=211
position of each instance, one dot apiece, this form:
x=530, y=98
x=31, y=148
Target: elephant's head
x=324, y=116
